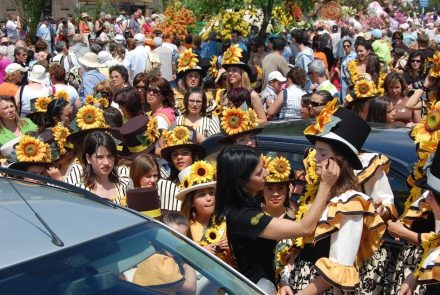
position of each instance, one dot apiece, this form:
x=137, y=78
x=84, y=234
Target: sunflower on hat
x=213, y=70
x=324, y=118
x=31, y=149
x=152, y=134
x=61, y=94
x=200, y=172
x=232, y=55
x=100, y=102
x=178, y=135
x=279, y=170
x=187, y=60
x=435, y=67
x=234, y=121
x=60, y=134
x=89, y=117
x=429, y=128
x=364, y=88
x=42, y=103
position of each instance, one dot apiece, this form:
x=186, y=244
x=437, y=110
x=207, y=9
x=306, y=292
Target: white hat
x=139, y=37
x=157, y=41
x=154, y=15
x=37, y=74
x=404, y=26
x=7, y=148
x=90, y=60
x=103, y=58
x=119, y=39
x=184, y=192
x=13, y=67
x=276, y=75
x=119, y=18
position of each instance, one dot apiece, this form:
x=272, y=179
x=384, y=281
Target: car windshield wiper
x=55, y=239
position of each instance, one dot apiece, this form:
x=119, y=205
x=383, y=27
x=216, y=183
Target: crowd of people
x=116, y=106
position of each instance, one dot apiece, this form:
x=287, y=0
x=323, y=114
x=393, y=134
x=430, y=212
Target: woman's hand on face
x=330, y=172
x=54, y=173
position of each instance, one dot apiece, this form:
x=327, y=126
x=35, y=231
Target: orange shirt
x=83, y=27
x=321, y=56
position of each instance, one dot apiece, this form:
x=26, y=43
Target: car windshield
x=146, y=259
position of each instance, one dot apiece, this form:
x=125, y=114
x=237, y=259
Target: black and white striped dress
x=167, y=191
x=75, y=170
x=207, y=127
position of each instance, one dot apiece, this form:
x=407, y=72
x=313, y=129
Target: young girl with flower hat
x=350, y=229
x=198, y=200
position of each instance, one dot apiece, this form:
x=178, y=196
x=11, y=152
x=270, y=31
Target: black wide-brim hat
x=240, y=65
x=229, y=139
x=82, y=134
x=36, y=117
x=198, y=150
x=347, y=136
x=182, y=74
x=144, y=200
x=431, y=181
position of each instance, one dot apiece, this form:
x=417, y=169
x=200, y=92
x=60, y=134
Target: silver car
x=58, y=239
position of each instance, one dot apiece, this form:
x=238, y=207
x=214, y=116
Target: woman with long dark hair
x=252, y=234
x=414, y=73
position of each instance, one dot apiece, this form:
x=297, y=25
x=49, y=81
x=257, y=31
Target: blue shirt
x=90, y=79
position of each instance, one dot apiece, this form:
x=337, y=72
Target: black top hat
x=431, y=180
x=144, y=200
x=240, y=65
x=132, y=134
x=182, y=74
x=230, y=139
x=192, y=145
x=347, y=136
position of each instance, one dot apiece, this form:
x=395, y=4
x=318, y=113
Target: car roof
x=391, y=141
x=74, y=217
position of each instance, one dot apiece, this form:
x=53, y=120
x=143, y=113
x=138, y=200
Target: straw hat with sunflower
x=199, y=175
x=181, y=136
x=236, y=122
x=188, y=62
x=89, y=118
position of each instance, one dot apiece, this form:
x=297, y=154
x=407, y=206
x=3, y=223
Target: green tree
x=31, y=12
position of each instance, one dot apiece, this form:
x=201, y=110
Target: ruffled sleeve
x=419, y=209
x=339, y=269
x=371, y=162
x=428, y=271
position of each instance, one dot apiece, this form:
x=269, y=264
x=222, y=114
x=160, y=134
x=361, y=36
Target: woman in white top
x=58, y=77
x=195, y=102
x=34, y=89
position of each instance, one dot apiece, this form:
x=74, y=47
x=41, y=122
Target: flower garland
x=60, y=133
x=355, y=76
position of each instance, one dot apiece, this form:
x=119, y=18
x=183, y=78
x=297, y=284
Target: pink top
x=168, y=114
x=4, y=62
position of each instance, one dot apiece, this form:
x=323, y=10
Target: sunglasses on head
x=154, y=90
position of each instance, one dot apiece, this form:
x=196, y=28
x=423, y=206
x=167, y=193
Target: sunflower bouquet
x=435, y=65
x=364, y=88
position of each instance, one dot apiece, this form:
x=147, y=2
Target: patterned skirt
x=408, y=259
x=373, y=273
x=303, y=274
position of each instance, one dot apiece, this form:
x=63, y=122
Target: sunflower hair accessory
x=279, y=170
x=31, y=149
x=232, y=55
x=187, y=60
x=325, y=121
x=235, y=120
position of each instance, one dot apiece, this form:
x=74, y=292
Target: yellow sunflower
x=41, y=103
x=212, y=236
x=323, y=118
x=213, y=71
x=31, y=149
x=266, y=161
x=187, y=60
x=429, y=128
x=217, y=111
x=103, y=102
x=353, y=70
x=181, y=135
x=232, y=55
x=259, y=72
x=152, y=132
x=279, y=169
x=90, y=100
x=89, y=117
x=234, y=121
x=252, y=118
x=60, y=133
x=364, y=88
x=61, y=94
x=186, y=182
x=435, y=67
x=202, y=171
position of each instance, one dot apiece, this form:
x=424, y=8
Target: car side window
x=400, y=189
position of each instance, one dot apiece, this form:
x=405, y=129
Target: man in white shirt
x=66, y=59
x=13, y=25
x=136, y=61
x=43, y=32
x=165, y=54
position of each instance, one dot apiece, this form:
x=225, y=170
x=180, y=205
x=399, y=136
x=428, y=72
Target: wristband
x=424, y=88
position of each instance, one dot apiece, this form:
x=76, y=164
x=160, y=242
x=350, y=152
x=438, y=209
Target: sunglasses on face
x=416, y=61
x=155, y=91
x=315, y=104
x=347, y=46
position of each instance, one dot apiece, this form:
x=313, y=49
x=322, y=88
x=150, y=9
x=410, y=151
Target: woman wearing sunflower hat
x=358, y=100
x=11, y=125
x=181, y=151
x=239, y=74
x=427, y=271
x=350, y=229
x=198, y=198
x=239, y=127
